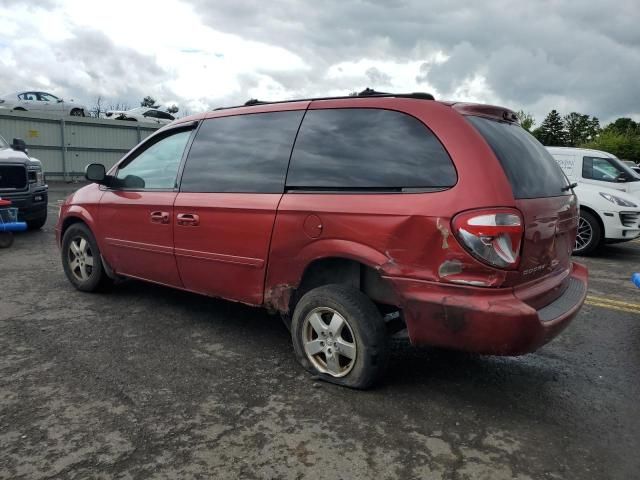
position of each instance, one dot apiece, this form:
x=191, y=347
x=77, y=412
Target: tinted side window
x=530, y=168
x=369, y=149
x=242, y=153
x=157, y=166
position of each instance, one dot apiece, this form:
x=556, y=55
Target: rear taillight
x=491, y=235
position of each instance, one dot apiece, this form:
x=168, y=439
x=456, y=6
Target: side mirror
x=95, y=172
x=60, y=100
x=19, y=145
x=623, y=177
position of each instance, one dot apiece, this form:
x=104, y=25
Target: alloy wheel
x=585, y=233
x=80, y=258
x=329, y=342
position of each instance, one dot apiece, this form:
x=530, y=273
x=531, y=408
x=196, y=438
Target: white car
x=142, y=114
x=596, y=167
x=607, y=213
x=41, y=102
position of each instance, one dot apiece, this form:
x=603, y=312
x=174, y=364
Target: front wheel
x=81, y=259
x=6, y=239
x=37, y=222
x=589, y=236
x=339, y=334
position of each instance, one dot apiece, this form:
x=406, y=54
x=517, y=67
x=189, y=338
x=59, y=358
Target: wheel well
x=595, y=214
x=345, y=271
x=20, y=109
x=67, y=223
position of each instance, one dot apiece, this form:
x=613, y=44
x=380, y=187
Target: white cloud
x=202, y=54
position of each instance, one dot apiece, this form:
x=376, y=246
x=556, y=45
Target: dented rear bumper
x=489, y=320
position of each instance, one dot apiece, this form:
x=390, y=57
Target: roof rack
x=367, y=92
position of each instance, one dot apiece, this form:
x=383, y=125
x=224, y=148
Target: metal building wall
x=66, y=145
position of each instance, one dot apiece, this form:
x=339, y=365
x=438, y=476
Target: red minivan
x=359, y=219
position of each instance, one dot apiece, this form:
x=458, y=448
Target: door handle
x=188, y=219
x=160, y=217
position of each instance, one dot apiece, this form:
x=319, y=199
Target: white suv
x=609, y=196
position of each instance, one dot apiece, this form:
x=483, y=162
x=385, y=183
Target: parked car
x=142, y=114
x=42, y=102
x=632, y=165
x=595, y=167
x=608, y=214
x=359, y=219
x=23, y=183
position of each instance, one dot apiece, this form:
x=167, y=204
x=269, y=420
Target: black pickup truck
x=22, y=181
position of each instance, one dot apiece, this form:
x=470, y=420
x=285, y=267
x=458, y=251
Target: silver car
x=142, y=114
x=41, y=102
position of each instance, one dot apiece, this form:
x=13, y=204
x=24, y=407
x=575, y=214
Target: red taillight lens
x=493, y=236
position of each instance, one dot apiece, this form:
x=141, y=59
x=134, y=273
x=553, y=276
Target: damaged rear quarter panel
x=398, y=234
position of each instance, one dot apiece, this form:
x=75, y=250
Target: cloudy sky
x=566, y=54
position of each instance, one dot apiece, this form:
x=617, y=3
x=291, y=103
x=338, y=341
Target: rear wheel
x=339, y=335
x=589, y=236
x=81, y=259
x=77, y=112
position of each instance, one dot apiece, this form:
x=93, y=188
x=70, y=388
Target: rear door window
x=530, y=168
x=367, y=149
x=241, y=153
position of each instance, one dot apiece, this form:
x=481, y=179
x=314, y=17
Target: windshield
x=530, y=168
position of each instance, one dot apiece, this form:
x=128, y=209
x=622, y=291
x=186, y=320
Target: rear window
x=530, y=168
x=365, y=148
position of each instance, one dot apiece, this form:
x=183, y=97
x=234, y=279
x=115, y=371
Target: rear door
x=231, y=186
x=541, y=191
x=136, y=215
x=569, y=163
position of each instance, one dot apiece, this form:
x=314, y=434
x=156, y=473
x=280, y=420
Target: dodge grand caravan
x=359, y=219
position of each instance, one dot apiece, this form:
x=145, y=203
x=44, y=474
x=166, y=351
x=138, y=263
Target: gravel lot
x=147, y=382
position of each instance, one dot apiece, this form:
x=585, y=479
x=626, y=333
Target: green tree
x=580, y=128
x=526, y=120
x=148, y=101
x=173, y=109
x=624, y=126
x=552, y=132
x=622, y=145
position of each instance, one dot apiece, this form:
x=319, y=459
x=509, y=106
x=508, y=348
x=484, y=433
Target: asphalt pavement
x=149, y=382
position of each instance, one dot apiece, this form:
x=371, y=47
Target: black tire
x=37, y=222
x=77, y=112
x=6, y=239
x=590, y=235
x=365, y=327
x=96, y=277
